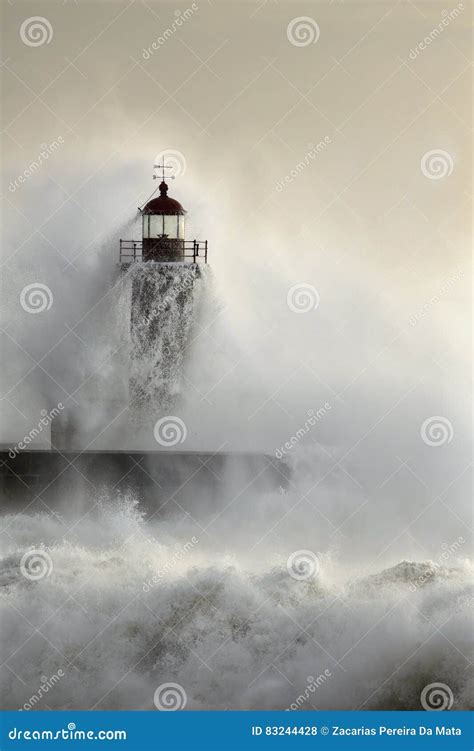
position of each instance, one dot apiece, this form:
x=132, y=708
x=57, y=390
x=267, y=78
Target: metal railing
x=131, y=251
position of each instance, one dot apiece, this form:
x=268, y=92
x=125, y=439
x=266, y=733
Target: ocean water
x=323, y=593
x=113, y=605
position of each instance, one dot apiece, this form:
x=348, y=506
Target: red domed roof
x=162, y=204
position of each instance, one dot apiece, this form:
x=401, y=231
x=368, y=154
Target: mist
x=323, y=354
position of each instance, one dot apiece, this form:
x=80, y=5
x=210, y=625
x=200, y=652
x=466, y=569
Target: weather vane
x=162, y=167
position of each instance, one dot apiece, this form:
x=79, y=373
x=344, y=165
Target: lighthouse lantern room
x=163, y=232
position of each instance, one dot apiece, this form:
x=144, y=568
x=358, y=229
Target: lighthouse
x=163, y=231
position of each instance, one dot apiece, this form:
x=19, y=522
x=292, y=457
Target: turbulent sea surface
x=232, y=636
x=106, y=598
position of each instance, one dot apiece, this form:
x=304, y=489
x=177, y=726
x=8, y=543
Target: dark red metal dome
x=163, y=204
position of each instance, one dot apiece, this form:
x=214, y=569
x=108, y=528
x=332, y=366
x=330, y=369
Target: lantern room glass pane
x=181, y=227
x=156, y=225
x=171, y=226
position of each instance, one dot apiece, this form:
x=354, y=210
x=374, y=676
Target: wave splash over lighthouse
x=163, y=268
x=163, y=302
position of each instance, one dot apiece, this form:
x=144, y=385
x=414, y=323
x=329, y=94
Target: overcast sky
x=371, y=218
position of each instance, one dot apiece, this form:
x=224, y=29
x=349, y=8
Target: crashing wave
x=162, y=315
x=128, y=606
